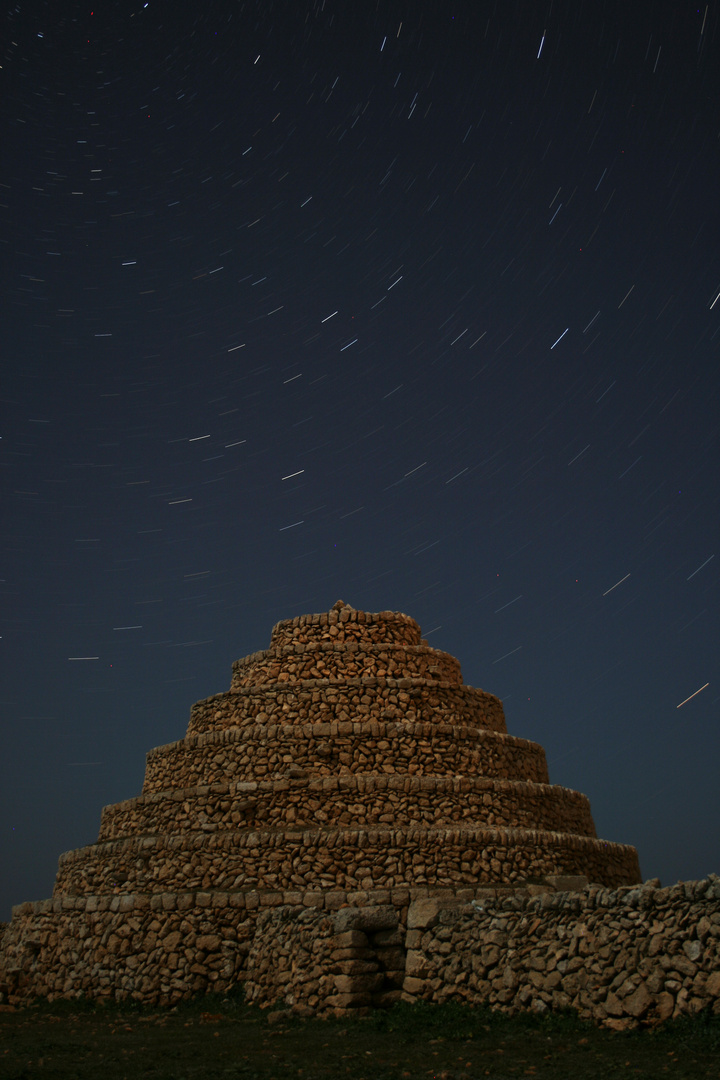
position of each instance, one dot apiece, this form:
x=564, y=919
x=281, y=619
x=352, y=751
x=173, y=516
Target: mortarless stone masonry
x=346, y=777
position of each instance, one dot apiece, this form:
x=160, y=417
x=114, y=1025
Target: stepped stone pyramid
x=347, y=755
x=347, y=764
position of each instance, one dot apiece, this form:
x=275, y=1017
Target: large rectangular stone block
x=567, y=882
x=346, y=984
x=367, y=919
x=349, y=939
x=352, y=954
x=423, y=914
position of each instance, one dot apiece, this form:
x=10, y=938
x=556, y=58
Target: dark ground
x=221, y=1038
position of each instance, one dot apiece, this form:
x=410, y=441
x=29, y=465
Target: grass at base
x=219, y=1038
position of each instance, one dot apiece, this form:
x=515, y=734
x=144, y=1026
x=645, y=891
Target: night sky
x=410, y=304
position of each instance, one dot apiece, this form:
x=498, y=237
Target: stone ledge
x=346, y=699
x=385, y=728
x=361, y=859
x=413, y=661
x=357, y=783
x=332, y=900
x=405, y=800
x=352, y=837
x=299, y=686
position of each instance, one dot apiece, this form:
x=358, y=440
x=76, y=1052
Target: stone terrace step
x=339, y=858
x=348, y=660
x=253, y=752
x=348, y=700
x=348, y=624
x=355, y=801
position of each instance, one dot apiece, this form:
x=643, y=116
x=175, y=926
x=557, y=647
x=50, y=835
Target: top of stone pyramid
x=343, y=622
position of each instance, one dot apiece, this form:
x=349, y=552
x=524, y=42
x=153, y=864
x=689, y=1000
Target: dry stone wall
x=422, y=749
x=617, y=957
x=345, y=624
x=163, y=947
x=351, y=799
x=349, y=660
x=340, y=858
x=156, y=948
x=317, y=700
x=318, y=961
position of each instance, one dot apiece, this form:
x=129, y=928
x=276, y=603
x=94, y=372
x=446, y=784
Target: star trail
x=409, y=304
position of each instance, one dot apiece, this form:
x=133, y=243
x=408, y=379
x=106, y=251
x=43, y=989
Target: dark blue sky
x=408, y=304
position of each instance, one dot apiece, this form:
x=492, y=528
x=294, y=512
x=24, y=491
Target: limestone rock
x=638, y=1003
x=365, y=919
x=423, y=914
x=417, y=964
x=665, y=1006
x=624, y=1023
